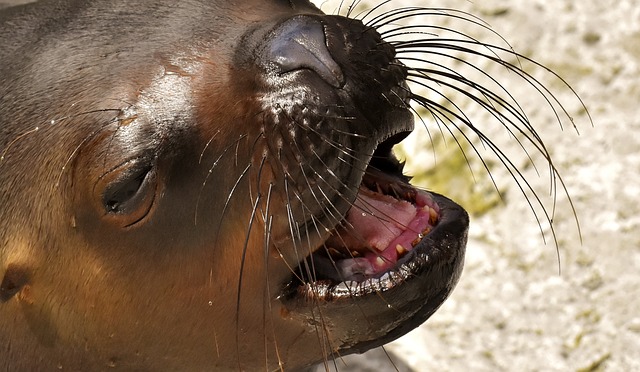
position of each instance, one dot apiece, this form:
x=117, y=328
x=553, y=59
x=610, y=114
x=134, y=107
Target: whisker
x=206, y=146
x=210, y=172
x=15, y=140
x=241, y=273
x=267, y=303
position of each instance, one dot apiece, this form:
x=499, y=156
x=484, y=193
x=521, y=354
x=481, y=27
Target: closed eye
x=127, y=192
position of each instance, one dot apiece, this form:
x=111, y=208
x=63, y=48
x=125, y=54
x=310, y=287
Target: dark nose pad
x=300, y=43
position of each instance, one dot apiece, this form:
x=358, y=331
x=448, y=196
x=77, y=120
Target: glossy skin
x=143, y=159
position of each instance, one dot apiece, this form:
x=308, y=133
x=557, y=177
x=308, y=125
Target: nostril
x=300, y=43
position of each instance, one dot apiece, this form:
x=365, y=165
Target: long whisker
x=245, y=248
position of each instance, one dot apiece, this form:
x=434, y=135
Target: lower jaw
x=355, y=317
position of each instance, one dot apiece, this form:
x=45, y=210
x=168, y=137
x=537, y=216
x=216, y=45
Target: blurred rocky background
x=513, y=310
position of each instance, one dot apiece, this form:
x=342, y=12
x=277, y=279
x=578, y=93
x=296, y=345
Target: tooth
x=400, y=249
x=418, y=239
x=334, y=253
x=433, y=215
x=380, y=261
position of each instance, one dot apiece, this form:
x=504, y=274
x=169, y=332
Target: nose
x=300, y=43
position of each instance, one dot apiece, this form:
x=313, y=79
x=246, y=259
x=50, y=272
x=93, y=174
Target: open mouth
x=391, y=234
x=387, y=220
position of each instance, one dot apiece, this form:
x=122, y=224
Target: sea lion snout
x=331, y=92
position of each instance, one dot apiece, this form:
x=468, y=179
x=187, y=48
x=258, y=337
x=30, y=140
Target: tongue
x=374, y=221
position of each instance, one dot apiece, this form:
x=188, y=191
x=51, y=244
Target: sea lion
x=210, y=186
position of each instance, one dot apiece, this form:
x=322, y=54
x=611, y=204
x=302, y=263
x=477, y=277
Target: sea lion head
x=209, y=185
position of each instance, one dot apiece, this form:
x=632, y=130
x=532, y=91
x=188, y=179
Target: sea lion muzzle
x=366, y=242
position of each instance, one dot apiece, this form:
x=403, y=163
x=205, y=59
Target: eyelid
x=126, y=193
